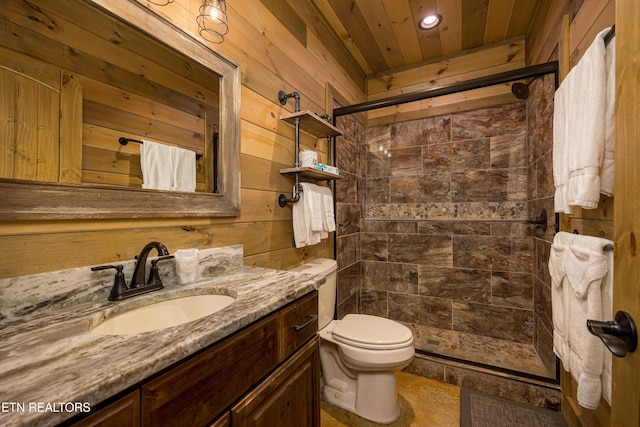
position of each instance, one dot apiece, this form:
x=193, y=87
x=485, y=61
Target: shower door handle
x=619, y=335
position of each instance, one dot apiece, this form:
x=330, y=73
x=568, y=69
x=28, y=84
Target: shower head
x=520, y=90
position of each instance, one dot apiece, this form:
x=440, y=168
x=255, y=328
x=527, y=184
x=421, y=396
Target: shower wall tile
x=487, y=122
x=347, y=188
x=480, y=186
x=390, y=226
x=405, y=189
x=374, y=303
x=349, y=282
x=378, y=190
x=426, y=311
x=348, y=250
x=348, y=218
x=378, y=139
x=512, y=289
x=437, y=157
x=351, y=305
x=378, y=165
x=444, y=241
x=471, y=155
x=455, y=284
x=509, y=151
x=435, y=188
x=405, y=161
x=374, y=247
x=346, y=155
x=493, y=321
x=390, y=277
x=416, y=249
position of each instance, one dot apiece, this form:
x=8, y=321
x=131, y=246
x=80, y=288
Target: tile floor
x=423, y=402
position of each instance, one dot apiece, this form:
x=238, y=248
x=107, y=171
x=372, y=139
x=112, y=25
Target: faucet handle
x=154, y=276
x=119, y=284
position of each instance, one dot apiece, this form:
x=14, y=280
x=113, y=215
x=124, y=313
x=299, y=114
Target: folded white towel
x=183, y=169
x=156, y=162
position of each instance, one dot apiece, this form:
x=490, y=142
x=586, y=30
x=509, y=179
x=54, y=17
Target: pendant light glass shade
x=213, y=23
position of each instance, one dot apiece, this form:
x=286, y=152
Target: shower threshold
x=485, y=352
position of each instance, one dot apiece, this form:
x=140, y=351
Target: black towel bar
x=125, y=141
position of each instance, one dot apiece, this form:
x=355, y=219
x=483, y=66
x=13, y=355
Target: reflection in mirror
x=78, y=79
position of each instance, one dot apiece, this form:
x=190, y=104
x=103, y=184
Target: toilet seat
x=372, y=332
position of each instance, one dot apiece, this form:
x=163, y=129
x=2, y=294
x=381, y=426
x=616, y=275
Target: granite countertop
x=49, y=358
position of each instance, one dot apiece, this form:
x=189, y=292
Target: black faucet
x=138, y=286
x=138, y=279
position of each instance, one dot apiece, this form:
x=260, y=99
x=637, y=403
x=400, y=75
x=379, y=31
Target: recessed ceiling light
x=430, y=21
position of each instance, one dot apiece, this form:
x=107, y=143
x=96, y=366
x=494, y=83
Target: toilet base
x=376, y=398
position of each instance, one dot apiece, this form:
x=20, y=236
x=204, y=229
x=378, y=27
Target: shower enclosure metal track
x=480, y=82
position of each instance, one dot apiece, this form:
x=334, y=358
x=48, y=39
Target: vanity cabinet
x=124, y=412
x=265, y=374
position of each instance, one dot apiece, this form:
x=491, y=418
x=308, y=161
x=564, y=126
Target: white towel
x=580, y=127
x=561, y=150
x=313, y=215
x=581, y=286
x=328, y=215
x=165, y=167
x=607, y=172
x=183, y=169
x=313, y=203
x=156, y=162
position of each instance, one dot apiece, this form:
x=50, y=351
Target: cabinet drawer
x=288, y=397
x=298, y=323
x=195, y=392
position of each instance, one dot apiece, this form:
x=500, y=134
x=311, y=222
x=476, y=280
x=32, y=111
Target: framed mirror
x=78, y=76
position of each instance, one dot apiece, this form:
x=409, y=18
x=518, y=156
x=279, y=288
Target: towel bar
x=125, y=141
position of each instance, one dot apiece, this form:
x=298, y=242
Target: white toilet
x=359, y=354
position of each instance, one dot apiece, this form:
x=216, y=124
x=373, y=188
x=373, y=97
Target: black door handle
x=620, y=335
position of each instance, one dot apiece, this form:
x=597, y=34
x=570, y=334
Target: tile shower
x=432, y=230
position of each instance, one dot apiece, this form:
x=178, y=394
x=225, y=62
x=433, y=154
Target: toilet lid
x=364, y=331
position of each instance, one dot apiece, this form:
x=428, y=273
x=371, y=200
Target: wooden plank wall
x=271, y=59
x=471, y=64
x=567, y=30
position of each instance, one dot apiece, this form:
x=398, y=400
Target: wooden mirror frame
x=33, y=200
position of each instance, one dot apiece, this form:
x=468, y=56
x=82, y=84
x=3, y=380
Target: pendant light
x=213, y=23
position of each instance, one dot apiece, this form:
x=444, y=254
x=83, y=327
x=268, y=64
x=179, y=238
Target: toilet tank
x=327, y=292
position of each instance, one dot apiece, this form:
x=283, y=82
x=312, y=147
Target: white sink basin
x=165, y=314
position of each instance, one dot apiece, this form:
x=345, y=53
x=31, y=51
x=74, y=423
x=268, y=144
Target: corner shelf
x=310, y=173
x=312, y=123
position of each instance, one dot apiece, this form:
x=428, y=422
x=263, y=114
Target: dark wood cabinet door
x=288, y=397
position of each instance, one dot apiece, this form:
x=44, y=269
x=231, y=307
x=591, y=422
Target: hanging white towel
x=328, y=215
x=581, y=289
x=313, y=215
x=165, y=167
x=156, y=162
x=581, y=123
x=607, y=172
x=561, y=150
x=183, y=169
x=313, y=203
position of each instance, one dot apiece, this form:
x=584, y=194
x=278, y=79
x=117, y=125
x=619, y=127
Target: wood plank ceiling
x=383, y=35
